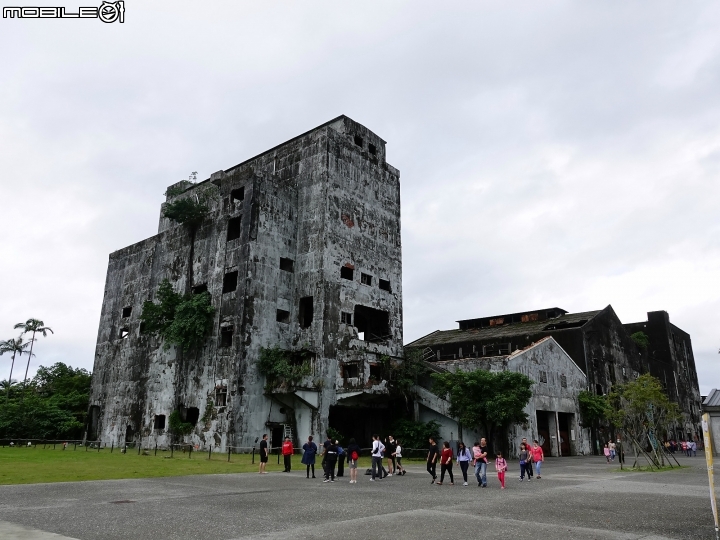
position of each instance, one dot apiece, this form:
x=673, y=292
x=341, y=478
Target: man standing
x=263, y=454
x=432, y=457
x=376, y=454
x=480, y=459
x=287, y=452
x=390, y=451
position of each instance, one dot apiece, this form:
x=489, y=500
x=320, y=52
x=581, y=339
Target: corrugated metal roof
x=713, y=399
x=441, y=337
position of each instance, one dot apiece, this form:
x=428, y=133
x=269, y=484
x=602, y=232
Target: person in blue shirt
x=310, y=450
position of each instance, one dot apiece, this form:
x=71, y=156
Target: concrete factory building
x=300, y=251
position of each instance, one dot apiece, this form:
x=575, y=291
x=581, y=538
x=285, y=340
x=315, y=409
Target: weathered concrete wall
x=322, y=200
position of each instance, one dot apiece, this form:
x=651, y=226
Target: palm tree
x=14, y=346
x=35, y=326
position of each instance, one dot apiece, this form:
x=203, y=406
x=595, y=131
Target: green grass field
x=23, y=465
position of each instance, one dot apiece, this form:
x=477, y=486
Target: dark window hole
x=230, y=281
x=283, y=316
x=286, y=264
x=345, y=318
x=226, y=336
x=372, y=149
x=384, y=284
x=126, y=312
x=373, y=324
x=233, y=230
x=305, y=317
x=351, y=371
x=199, y=289
x=358, y=140
x=346, y=273
x=365, y=279
x=238, y=194
x=159, y=421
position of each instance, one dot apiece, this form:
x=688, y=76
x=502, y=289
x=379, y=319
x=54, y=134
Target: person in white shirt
x=377, y=455
x=397, y=454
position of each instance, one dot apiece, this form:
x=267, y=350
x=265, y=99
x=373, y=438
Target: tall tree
x=484, y=399
x=36, y=326
x=14, y=346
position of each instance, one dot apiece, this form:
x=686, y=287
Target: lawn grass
x=22, y=465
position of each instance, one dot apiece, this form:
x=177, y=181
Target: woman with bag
x=353, y=454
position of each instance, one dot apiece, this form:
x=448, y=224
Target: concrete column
x=553, y=431
x=557, y=434
x=416, y=411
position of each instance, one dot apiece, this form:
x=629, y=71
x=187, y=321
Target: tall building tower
x=300, y=252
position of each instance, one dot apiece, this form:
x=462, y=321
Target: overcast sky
x=551, y=153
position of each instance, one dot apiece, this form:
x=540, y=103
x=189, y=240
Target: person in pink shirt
x=500, y=467
x=606, y=451
x=537, y=456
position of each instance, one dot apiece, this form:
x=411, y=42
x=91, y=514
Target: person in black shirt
x=390, y=446
x=432, y=457
x=263, y=453
x=331, y=454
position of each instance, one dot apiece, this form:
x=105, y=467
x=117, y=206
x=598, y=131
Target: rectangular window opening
x=305, y=317
x=233, y=230
x=159, y=421
x=287, y=264
x=192, y=415
x=230, y=281
x=126, y=312
x=365, y=279
x=226, y=336
x=373, y=323
x=563, y=381
x=372, y=149
x=351, y=371
x=375, y=372
x=238, y=194
x=124, y=333
x=358, y=140
x=543, y=377
x=346, y=273
x=345, y=318
x=282, y=316
x=220, y=396
x=384, y=284
x=199, y=289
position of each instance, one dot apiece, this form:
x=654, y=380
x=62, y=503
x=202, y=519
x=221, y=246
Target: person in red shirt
x=446, y=463
x=287, y=452
x=537, y=456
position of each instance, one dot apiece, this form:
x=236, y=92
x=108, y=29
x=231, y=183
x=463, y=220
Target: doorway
x=543, y=428
x=564, y=429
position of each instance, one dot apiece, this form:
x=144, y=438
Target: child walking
x=397, y=454
x=500, y=467
x=606, y=451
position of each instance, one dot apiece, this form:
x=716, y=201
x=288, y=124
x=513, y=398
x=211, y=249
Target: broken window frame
x=230, y=282
x=373, y=323
x=221, y=396
x=543, y=377
x=351, y=370
x=346, y=318
x=563, y=381
x=234, y=228
x=124, y=333
x=287, y=265
x=237, y=194
x=366, y=279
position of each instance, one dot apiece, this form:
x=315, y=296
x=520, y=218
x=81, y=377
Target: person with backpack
x=287, y=452
x=446, y=464
x=310, y=450
x=331, y=454
x=341, y=460
x=464, y=456
x=353, y=452
x=377, y=455
x=501, y=467
x=398, y=458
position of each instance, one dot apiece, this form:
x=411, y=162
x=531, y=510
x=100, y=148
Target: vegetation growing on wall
x=283, y=368
x=181, y=320
x=593, y=408
x=404, y=374
x=641, y=340
x=176, y=426
x=191, y=210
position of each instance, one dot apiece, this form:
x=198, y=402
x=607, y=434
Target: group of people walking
x=334, y=455
x=478, y=457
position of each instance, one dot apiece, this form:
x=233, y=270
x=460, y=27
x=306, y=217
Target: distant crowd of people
x=689, y=448
x=390, y=450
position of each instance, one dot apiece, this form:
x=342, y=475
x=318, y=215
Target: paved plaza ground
x=577, y=498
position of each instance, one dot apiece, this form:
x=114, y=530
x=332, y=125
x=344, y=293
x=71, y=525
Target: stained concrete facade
x=598, y=342
x=301, y=250
x=553, y=410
